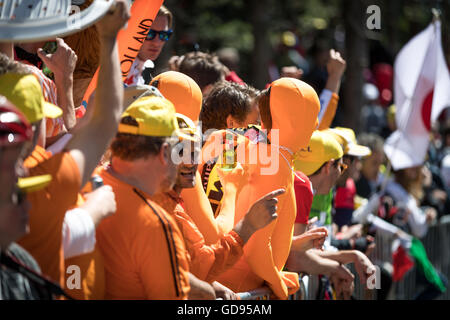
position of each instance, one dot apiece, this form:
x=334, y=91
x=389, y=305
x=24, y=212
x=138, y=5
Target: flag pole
x=436, y=17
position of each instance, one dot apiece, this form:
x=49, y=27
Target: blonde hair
x=163, y=11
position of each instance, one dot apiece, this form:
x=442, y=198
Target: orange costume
x=48, y=208
x=206, y=262
x=196, y=201
x=294, y=106
x=142, y=246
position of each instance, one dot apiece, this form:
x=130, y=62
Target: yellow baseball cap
x=155, y=117
x=187, y=126
x=25, y=92
x=322, y=147
x=32, y=184
x=347, y=138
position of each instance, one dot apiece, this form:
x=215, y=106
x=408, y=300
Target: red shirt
x=303, y=197
x=345, y=196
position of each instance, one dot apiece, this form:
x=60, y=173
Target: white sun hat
x=37, y=20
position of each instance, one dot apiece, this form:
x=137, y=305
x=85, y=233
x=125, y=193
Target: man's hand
x=313, y=238
x=112, y=22
x=363, y=266
x=231, y=177
x=261, y=213
x=336, y=64
x=100, y=203
x=343, y=282
x=291, y=72
x=62, y=62
x=311, y=223
x=223, y=292
x=353, y=232
x=335, y=67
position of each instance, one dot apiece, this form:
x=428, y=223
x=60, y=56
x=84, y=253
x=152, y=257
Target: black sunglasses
x=163, y=35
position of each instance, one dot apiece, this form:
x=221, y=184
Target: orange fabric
x=182, y=91
x=330, y=112
x=197, y=203
x=48, y=208
x=130, y=39
x=294, y=107
x=206, y=262
x=143, y=250
x=92, y=276
x=92, y=272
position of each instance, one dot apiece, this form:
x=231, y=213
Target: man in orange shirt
x=72, y=168
x=143, y=249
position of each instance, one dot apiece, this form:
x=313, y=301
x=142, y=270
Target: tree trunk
x=357, y=59
x=262, y=50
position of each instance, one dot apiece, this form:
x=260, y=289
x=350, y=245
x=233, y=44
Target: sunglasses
x=351, y=159
x=163, y=35
x=341, y=165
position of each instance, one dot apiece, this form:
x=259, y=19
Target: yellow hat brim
x=185, y=136
x=32, y=184
x=51, y=111
x=308, y=168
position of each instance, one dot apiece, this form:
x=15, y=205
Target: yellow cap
x=25, y=93
x=322, y=147
x=349, y=144
x=155, y=117
x=32, y=184
x=187, y=126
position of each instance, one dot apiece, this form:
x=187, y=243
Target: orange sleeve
x=197, y=204
x=330, y=112
x=161, y=261
x=208, y=262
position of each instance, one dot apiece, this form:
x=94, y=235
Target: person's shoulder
x=23, y=256
x=302, y=181
x=62, y=167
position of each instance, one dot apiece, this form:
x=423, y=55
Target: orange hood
x=182, y=91
x=294, y=106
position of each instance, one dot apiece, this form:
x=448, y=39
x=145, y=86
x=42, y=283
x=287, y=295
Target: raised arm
x=329, y=97
x=63, y=63
x=88, y=145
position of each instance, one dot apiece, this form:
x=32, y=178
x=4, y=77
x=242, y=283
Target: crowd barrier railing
x=436, y=243
x=264, y=293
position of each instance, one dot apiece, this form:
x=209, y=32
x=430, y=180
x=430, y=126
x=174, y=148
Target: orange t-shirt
x=92, y=272
x=143, y=249
x=207, y=262
x=48, y=208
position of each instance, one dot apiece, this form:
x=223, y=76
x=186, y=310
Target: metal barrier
x=264, y=293
x=436, y=242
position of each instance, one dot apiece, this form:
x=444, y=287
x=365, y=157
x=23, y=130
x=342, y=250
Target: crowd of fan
x=203, y=227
